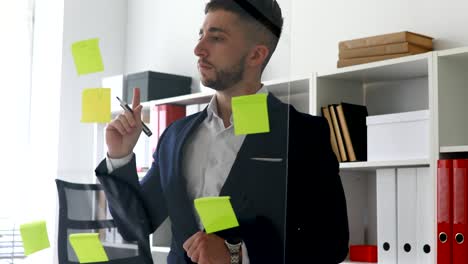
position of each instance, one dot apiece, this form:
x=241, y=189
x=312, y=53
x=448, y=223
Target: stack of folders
x=405, y=215
x=452, y=211
x=348, y=130
x=382, y=47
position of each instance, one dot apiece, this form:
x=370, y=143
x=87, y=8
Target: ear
x=258, y=55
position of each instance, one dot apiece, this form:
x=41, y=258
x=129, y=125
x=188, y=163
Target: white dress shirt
x=211, y=151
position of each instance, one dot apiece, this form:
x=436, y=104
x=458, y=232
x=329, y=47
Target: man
x=287, y=171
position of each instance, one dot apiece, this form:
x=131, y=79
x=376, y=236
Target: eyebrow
x=214, y=30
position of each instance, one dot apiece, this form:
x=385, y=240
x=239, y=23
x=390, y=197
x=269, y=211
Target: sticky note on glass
x=34, y=236
x=87, y=56
x=88, y=248
x=216, y=213
x=250, y=114
x=96, y=105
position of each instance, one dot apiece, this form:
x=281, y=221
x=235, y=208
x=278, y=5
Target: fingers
x=189, y=241
x=192, y=244
x=124, y=123
x=137, y=115
x=136, y=98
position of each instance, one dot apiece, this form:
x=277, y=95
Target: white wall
x=318, y=26
x=162, y=36
x=84, y=19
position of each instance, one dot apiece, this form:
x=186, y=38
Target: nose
x=200, y=49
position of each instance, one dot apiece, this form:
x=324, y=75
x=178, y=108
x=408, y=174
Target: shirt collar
x=212, y=109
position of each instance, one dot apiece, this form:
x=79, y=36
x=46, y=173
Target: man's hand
x=123, y=132
x=205, y=248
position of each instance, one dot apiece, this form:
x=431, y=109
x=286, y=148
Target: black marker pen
x=126, y=107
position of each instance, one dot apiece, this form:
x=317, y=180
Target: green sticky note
x=96, y=105
x=88, y=248
x=87, y=56
x=216, y=213
x=250, y=114
x=34, y=236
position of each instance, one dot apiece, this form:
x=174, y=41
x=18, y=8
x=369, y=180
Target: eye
x=216, y=38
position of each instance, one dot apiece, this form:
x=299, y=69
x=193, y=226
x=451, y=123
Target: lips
x=204, y=66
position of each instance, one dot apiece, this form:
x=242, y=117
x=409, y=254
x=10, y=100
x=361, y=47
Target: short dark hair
x=264, y=15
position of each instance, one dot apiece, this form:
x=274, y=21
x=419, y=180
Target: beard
x=225, y=78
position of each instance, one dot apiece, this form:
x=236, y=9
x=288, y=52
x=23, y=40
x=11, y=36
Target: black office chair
x=11, y=244
x=83, y=209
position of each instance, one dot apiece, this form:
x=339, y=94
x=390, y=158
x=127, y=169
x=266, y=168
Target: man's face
x=222, y=50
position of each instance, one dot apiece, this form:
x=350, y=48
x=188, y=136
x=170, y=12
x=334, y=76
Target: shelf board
x=355, y=262
x=456, y=52
x=452, y=149
x=403, y=68
x=134, y=246
x=160, y=249
x=373, y=165
x=277, y=87
x=187, y=99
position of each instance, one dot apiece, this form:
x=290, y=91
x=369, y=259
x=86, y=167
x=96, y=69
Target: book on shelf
x=349, y=62
x=337, y=129
x=388, y=49
x=352, y=120
x=398, y=37
x=334, y=144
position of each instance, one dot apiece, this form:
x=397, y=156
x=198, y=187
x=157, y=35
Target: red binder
x=161, y=117
x=460, y=211
x=444, y=211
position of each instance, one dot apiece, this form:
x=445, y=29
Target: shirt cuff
x=245, y=254
x=113, y=164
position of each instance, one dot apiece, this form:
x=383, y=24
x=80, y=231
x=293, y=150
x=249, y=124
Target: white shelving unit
x=385, y=87
x=434, y=81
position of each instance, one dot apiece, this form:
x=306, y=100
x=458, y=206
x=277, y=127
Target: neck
x=224, y=98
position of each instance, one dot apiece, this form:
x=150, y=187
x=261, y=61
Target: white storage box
x=398, y=136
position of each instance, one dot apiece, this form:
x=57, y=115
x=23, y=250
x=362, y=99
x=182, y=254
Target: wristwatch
x=234, y=247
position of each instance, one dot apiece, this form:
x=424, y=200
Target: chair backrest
x=11, y=245
x=83, y=209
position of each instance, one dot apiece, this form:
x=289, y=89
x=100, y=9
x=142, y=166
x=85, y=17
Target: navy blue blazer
x=284, y=187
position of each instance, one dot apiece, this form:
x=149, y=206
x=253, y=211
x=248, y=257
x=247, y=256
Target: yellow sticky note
x=216, y=213
x=88, y=248
x=250, y=114
x=96, y=105
x=87, y=56
x=34, y=236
